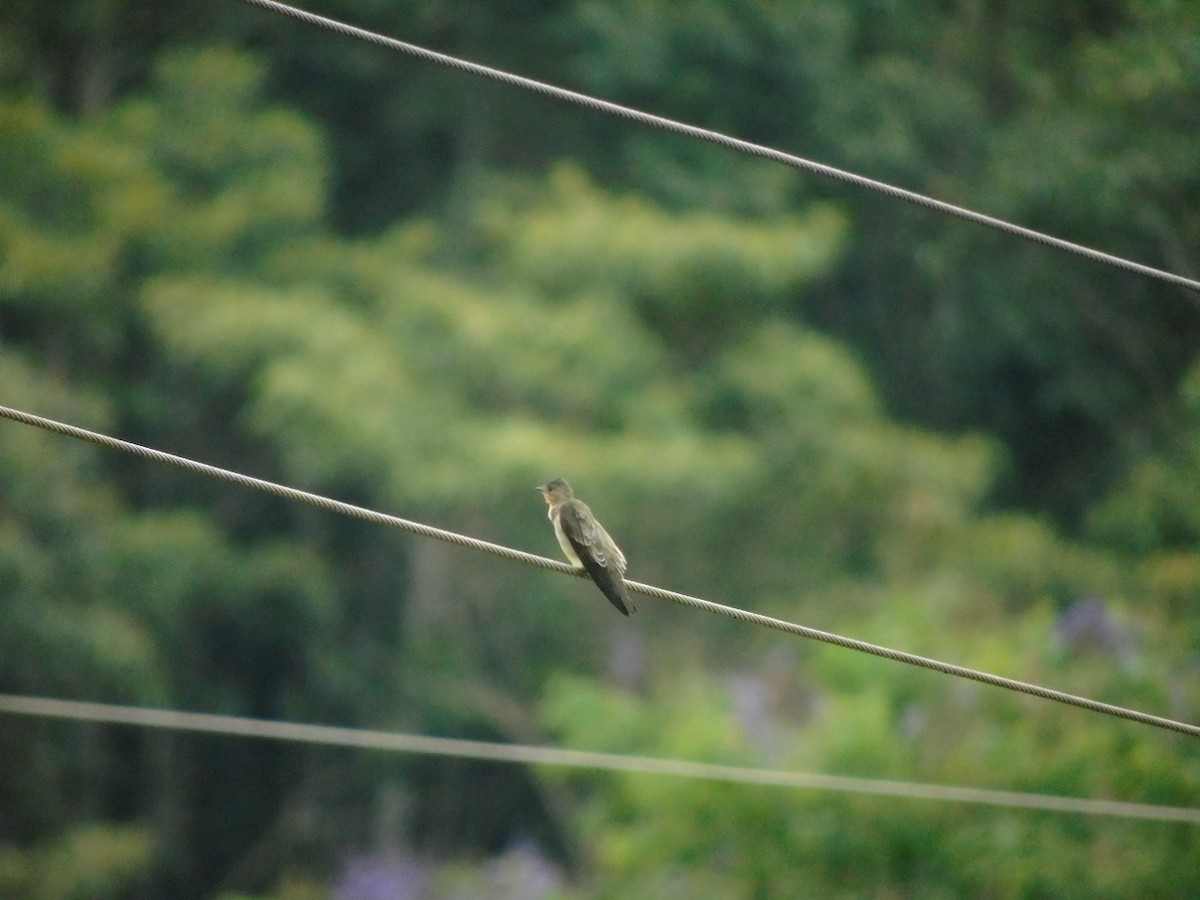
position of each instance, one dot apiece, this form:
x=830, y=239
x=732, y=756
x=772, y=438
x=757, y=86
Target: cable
x=716, y=137
x=578, y=759
x=732, y=612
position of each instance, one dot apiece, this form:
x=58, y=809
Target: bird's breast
x=563, y=542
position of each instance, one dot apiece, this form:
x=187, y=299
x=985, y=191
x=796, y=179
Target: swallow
x=586, y=543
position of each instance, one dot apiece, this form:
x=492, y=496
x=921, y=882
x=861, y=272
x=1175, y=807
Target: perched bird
x=586, y=543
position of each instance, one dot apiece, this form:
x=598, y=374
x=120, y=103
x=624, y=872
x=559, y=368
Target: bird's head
x=555, y=491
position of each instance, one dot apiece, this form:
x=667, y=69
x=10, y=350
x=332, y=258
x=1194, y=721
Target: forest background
x=230, y=236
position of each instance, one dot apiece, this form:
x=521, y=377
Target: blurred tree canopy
x=230, y=237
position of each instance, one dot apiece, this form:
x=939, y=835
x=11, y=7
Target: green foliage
x=1152, y=519
x=233, y=179
x=1077, y=122
x=740, y=368
x=696, y=278
x=434, y=367
x=91, y=862
x=57, y=620
x=1158, y=506
x=677, y=837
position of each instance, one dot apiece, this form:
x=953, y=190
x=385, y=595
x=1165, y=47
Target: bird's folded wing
x=588, y=536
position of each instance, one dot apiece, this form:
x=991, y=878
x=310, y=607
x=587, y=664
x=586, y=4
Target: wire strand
x=462, y=540
x=732, y=143
x=239, y=726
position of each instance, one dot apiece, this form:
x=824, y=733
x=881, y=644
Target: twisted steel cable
x=401, y=742
x=462, y=540
x=724, y=140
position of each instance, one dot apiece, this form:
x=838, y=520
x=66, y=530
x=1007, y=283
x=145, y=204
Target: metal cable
x=716, y=137
x=327, y=735
x=289, y=493
x=732, y=612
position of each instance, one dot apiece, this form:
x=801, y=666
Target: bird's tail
x=610, y=583
x=619, y=593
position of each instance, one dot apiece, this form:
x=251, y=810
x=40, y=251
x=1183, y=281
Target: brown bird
x=586, y=543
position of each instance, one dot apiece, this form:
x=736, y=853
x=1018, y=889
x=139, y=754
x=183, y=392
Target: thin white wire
x=716, y=137
x=400, y=742
x=369, y=515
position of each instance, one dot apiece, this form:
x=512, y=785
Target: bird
x=586, y=543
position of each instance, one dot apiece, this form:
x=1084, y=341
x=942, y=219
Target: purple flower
x=382, y=877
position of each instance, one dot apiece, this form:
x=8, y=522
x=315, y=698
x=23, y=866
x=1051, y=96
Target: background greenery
x=235, y=238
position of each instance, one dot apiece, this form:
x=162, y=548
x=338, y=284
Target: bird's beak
x=541, y=489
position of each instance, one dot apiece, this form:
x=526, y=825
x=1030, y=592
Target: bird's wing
x=604, y=563
x=588, y=536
